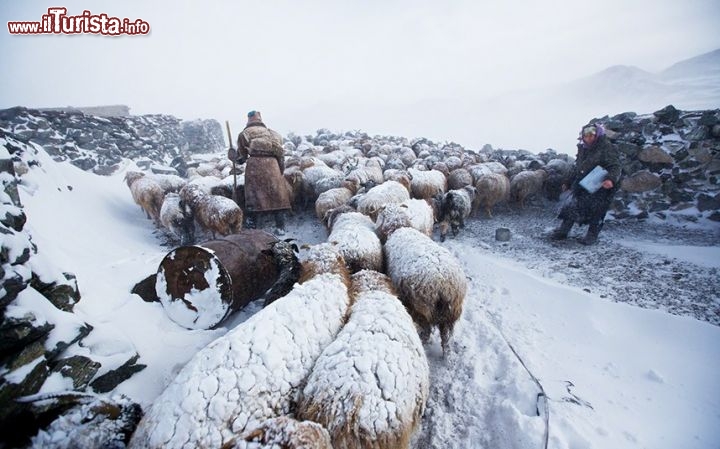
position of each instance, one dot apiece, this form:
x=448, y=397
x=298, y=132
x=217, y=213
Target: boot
x=591, y=237
x=561, y=232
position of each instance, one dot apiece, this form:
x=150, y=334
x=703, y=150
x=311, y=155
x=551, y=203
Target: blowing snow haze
x=520, y=75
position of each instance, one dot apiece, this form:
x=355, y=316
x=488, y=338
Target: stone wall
x=99, y=144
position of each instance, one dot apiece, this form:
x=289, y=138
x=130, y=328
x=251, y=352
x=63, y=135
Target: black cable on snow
x=542, y=406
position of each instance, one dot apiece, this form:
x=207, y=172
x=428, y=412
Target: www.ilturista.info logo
x=56, y=21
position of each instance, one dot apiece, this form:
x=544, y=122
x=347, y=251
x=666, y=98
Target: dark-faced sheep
x=178, y=219
x=457, y=205
x=429, y=279
x=369, y=387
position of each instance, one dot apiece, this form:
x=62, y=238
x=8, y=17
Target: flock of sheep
x=355, y=172
x=338, y=361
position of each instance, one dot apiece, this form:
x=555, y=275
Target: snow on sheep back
x=370, y=386
x=250, y=374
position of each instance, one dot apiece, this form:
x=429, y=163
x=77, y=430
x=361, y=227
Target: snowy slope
x=616, y=376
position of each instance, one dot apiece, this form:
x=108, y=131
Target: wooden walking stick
x=234, y=193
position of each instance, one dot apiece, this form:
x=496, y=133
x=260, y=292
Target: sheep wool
x=429, y=279
x=491, y=188
x=355, y=237
x=286, y=433
x=250, y=374
x=370, y=386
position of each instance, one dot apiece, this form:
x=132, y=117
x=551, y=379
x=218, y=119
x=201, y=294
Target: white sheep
x=369, y=387
x=426, y=184
x=401, y=176
x=334, y=198
x=214, y=213
x=370, y=170
x=526, y=184
x=170, y=183
x=457, y=205
x=414, y=213
x=486, y=168
x=355, y=237
x=386, y=193
x=178, y=219
x=429, y=279
x=491, y=189
x=147, y=193
x=256, y=370
x=318, y=178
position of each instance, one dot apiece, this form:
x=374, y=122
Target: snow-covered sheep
x=256, y=370
x=459, y=178
x=386, y=193
x=526, y=184
x=453, y=163
x=429, y=279
x=206, y=183
x=491, y=189
x=367, y=170
x=170, y=183
x=283, y=432
x=401, y=176
x=214, y=213
x=427, y=183
x=147, y=193
x=414, y=213
x=334, y=198
x=355, y=237
x=177, y=219
x=369, y=387
x=457, y=205
x=318, y=178
x=486, y=168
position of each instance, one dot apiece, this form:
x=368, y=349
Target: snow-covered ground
x=622, y=337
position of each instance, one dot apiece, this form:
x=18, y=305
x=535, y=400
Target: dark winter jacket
x=590, y=208
x=602, y=153
x=265, y=186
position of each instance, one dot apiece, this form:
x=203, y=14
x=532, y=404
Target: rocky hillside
x=98, y=144
x=37, y=323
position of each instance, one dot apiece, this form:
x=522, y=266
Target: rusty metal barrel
x=201, y=285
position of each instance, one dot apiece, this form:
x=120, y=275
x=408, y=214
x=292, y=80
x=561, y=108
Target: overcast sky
x=340, y=64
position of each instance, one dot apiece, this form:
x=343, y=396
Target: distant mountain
x=703, y=66
x=690, y=84
x=550, y=117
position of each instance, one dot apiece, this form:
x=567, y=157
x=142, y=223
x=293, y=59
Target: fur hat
x=254, y=116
